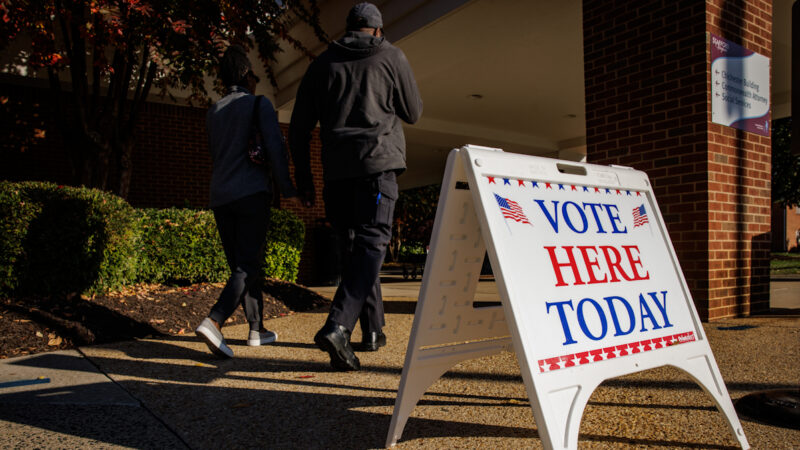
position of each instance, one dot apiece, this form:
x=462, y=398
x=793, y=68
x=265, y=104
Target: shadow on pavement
x=213, y=403
x=94, y=425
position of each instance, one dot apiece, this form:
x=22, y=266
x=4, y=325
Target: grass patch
x=784, y=263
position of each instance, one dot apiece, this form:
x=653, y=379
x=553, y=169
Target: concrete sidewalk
x=172, y=393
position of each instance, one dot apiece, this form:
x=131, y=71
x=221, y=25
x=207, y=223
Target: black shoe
x=335, y=339
x=372, y=341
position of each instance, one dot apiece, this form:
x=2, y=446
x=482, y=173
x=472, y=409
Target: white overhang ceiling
x=501, y=73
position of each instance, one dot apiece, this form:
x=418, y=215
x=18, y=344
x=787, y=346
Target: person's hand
x=307, y=198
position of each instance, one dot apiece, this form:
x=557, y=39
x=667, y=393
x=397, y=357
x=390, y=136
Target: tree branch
x=55, y=86
x=97, y=57
x=77, y=62
x=64, y=29
x=139, y=102
x=141, y=78
x=108, y=105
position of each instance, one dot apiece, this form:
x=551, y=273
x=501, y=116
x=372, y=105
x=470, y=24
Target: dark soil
x=34, y=324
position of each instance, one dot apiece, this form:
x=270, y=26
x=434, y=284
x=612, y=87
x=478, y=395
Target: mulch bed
x=33, y=324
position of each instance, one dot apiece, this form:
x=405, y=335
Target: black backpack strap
x=256, y=108
x=256, y=143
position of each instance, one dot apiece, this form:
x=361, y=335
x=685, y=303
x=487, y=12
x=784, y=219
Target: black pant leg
x=242, y=225
x=372, y=316
x=361, y=211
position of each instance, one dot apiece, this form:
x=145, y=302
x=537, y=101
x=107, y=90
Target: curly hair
x=234, y=65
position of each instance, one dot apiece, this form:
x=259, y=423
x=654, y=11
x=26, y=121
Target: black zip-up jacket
x=359, y=90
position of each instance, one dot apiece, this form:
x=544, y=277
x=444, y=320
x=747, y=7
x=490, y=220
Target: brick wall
x=171, y=162
x=648, y=106
x=309, y=263
x=739, y=179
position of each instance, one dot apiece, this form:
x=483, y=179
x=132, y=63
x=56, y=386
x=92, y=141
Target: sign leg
x=704, y=371
x=409, y=394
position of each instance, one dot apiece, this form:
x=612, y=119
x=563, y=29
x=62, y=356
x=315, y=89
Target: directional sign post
x=589, y=282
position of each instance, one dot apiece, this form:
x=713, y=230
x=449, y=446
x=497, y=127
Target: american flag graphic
x=639, y=216
x=511, y=209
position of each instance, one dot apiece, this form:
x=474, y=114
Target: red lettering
x=613, y=263
x=558, y=265
x=591, y=264
x=635, y=262
x=619, y=268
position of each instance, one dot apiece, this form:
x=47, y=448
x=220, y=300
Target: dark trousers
x=361, y=212
x=242, y=226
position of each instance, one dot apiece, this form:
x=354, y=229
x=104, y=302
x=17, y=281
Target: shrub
x=413, y=220
x=66, y=239
x=285, y=238
x=183, y=246
x=58, y=239
x=180, y=245
x=16, y=214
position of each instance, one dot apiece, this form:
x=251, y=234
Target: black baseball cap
x=364, y=15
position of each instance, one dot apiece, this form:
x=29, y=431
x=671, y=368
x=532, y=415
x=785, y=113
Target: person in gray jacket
x=360, y=90
x=240, y=196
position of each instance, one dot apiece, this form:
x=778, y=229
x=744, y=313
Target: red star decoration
x=491, y=180
x=597, y=189
x=520, y=183
x=618, y=192
x=574, y=188
x=548, y=186
x=638, y=194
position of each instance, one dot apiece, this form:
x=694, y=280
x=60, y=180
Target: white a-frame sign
x=589, y=282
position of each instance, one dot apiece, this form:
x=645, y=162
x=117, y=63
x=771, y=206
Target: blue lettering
x=582, y=320
x=594, y=207
x=661, y=306
x=569, y=220
x=611, y=210
x=622, y=325
x=553, y=222
x=642, y=307
x=615, y=319
x=614, y=219
x=560, y=307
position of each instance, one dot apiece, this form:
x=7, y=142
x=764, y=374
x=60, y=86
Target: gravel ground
x=285, y=395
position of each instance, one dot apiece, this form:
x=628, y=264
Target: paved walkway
x=171, y=393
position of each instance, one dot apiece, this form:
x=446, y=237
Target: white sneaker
x=213, y=338
x=261, y=337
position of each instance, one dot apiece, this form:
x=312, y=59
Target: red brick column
x=648, y=106
x=309, y=216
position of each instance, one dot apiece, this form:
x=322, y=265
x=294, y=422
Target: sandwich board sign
x=589, y=284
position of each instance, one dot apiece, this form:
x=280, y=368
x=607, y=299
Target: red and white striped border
x=602, y=354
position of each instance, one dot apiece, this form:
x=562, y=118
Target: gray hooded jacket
x=359, y=90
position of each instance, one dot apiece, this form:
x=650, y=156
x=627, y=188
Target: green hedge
x=181, y=245
x=285, y=238
x=62, y=239
x=16, y=214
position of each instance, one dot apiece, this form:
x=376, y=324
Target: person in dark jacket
x=240, y=197
x=360, y=90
